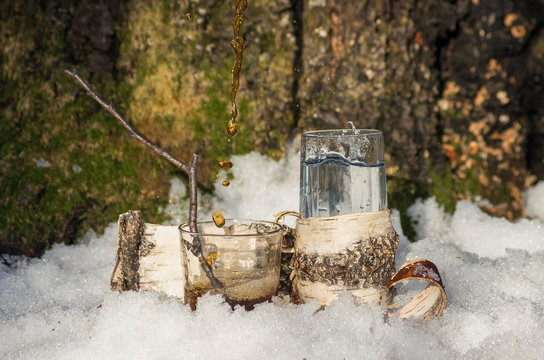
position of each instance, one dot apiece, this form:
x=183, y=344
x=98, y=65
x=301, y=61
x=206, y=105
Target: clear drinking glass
x=244, y=255
x=342, y=172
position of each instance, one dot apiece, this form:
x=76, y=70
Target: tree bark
x=456, y=87
x=149, y=257
x=353, y=253
x=129, y=238
x=453, y=85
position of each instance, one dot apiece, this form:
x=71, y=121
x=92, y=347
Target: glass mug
x=244, y=256
x=342, y=172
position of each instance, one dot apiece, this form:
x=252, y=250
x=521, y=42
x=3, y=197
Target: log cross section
x=149, y=257
x=130, y=233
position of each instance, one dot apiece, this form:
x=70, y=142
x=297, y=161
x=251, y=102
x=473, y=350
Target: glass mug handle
x=288, y=243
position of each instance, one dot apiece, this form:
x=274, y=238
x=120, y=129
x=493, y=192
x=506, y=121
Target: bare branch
x=163, y=153
x=193, y=205
x=190, y=170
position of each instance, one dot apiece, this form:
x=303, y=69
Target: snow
x=534, y=206
x=60, y=306
x=474, y=231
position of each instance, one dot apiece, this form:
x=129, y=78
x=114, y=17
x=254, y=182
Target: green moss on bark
x=66, y=165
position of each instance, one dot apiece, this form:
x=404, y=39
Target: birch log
x=149, y=257
x=354, y=253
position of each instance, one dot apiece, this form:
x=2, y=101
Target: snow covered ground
x=60, y=306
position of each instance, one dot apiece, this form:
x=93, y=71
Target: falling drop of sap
x=224, y=164
x=237, y=44
x=189, y=17
x=225, y=183
x=218, y=219
x=232, y=129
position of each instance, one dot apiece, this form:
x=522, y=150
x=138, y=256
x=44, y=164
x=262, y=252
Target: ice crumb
x=76, y=168
x=42, y=163
x=426, y=272
x=534, y=201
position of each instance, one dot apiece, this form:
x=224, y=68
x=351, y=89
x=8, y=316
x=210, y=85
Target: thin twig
x=109, y=108
x=190, y=170
x=193, y=205
x=196, y=247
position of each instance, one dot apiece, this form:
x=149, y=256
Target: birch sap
x=344, y=174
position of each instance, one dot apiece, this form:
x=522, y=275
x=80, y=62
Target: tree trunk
x=456, y=87
x=453, y=85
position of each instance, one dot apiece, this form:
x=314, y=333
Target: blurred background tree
x=456, y=86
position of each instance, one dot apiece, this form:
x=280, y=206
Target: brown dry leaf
x=496, y=210
x=481, y=97
x=450, y=153
x=515, y=193
x=503, y=97
x=518, y=31
x=530, y=180
x=509, y=19
x=472, y=147
x=510, y=215
x=483, y=180
x=418, y=38
x=477, y=128
x=451, y=88
x=495, y=135
x=466, y=108
x=493, y=66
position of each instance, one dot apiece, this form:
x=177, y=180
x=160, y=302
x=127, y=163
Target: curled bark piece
x=432, y=300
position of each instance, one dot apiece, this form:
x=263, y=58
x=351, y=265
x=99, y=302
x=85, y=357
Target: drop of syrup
x=218, y=219
x=224, y=164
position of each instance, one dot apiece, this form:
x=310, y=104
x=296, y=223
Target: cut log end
x=130, y=233
x=148, y=257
